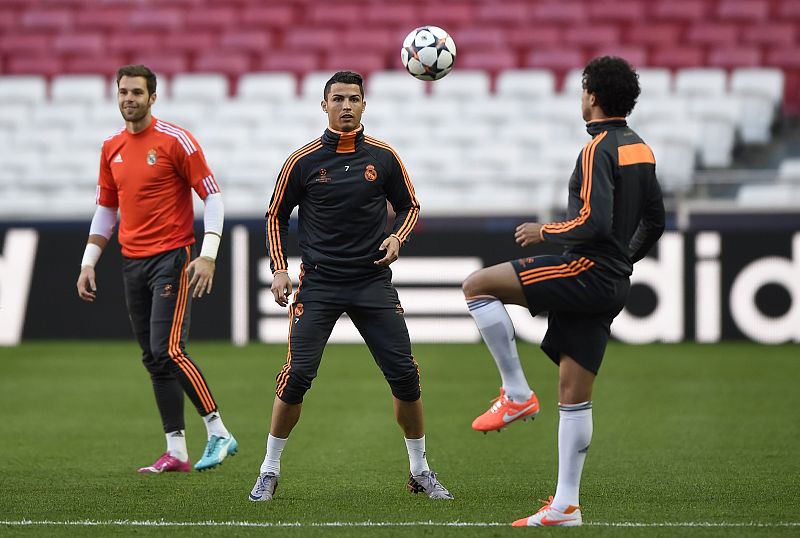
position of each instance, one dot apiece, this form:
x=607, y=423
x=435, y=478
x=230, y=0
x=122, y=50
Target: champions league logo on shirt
x=151, y=157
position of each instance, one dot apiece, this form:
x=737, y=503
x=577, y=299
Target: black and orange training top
x=150, y=175
x=615, y=211
x=341, y=182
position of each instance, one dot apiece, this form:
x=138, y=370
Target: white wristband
x=91, y=255
x=210, y=246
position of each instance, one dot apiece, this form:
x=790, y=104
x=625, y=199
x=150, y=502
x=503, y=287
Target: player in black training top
x=341, y=183
x=615, y=214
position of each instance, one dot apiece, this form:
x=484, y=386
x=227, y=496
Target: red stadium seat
x=662, y=34
x=772, y=33
x=168, y=63
x=47, y=19
x=383, y=40
x=449, y=17
x=8, y=20
x=558, y=12
x=624, y=11
x=560, y=60
x=102, y=18
x=636, y=56
x=788, y=10
x=492, y=60
x=145, y=43
x=712, y=34
x=322, y=14
x=785, y=58
x=677, y=57
x=503, y=12
x=355, y=60
x=480, y=37
x=592, y=35
x=232, y=64
x=104, y=64
x=743, y=10
x=212, y=18
x=320, y=39
x=25, y=43
x=524, y=38
x=397, y=15
x=152, y=18
x=189, y=42
x=259, y=17
x=297, y=61
x=79, y=43
x=34, y=65
x=731, y=57
x=680, y=10
x=252, y=41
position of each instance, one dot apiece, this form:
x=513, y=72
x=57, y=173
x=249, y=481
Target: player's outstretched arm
x=103, y=222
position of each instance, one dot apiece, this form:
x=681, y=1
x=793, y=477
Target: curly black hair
x=614, y=83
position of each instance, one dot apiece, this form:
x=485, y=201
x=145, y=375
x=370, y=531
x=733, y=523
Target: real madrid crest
x=370, y=174
x=151, y=157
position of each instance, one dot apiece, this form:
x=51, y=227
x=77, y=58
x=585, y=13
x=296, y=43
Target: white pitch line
x=280, y=524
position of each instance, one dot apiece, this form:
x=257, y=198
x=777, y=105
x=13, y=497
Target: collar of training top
x=598, y=126
x=342, y=142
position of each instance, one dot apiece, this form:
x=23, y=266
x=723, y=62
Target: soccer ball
x=429, y=53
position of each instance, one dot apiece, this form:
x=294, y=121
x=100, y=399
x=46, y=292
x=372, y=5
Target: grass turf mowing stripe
x=280, y=524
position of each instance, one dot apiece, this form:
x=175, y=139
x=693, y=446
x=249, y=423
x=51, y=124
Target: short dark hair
x=614, y=83
x=345, y=77
x=138, y=71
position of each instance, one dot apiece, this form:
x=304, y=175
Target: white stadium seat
x=393, y=85
x=761, y=92
x=654, y=82
x=266, y=87
x=209, y=87
x=703, y=82
x=22, y=89
x=524, y=84
x=466, y=84
x=78, y=88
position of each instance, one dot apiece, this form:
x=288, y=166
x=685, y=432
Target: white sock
x=574, y=436
x=272, y=460
x=417, y=461
x=176, y=445
x=214, y=425
x=497, y=331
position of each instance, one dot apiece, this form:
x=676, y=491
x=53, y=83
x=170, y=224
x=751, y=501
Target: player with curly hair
x=615, y=214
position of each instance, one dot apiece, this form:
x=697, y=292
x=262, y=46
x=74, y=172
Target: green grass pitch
x=700, y=438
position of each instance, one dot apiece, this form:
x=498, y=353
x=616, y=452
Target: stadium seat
x=567, y=12
x=297, y=62
x=13, y=115
x=712, y=34
x=464, y=84
x=559, y=60
x=84, y=43
x=313, y=84
x=250, y=41
x=216, y=18
x=156, y=18
x=526, y=84
x=719, y=117
x=746, y=11
x=677, y=57
x=634, y=55
x=358, y=60
x=266, y=87
x=573, y=83
x=789, y=170
x=26, y=44
x=101, y=18
x=208, y=87
x=393, y=85
x=456, y=14
x=34, y=65
x=232, y=64
x=107, y=64
x=248, y=113
x=761, y=92
x=593, y=35
x=166, y=64
x=188, y=42
x=387, y=14
x=732, y=57
x=321, y=14
x=505, y=13
x=680, y=10
x=700, y=82
x=663, y=35
x=46, y=19
x=79, y=88
x=491, y=60
x=525, y=40
x=148, y=43
x=273, y=16
x=621, y=11
x=654, y=82
x=22, y=89
x=772, y=33
x=476, y=38
x=311, y=38
x=187, y=113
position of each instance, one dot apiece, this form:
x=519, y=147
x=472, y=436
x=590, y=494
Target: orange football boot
x=503, y=412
